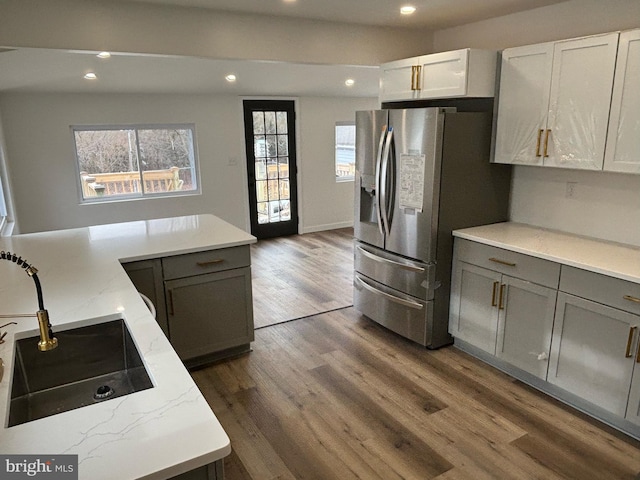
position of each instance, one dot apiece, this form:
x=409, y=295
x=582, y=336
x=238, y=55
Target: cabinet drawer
x=198, y=263
x=536, y=270
x=610, y=291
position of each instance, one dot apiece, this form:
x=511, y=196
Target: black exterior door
x=269, y=129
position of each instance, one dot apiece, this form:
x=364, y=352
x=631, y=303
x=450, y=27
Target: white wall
x=41, y=160
x=606, y=205
x=326, y=204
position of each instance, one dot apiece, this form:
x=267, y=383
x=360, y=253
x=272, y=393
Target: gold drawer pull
x=538, y=154
x=210, y=262
x=627, y=352
x=631, y=299
x=494, y=302
x=501, y=301
x=502, y=262
x=546, y=143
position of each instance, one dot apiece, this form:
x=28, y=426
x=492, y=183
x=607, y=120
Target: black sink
x=92, y=364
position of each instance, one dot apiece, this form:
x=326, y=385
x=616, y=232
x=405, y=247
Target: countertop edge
x=559, y=247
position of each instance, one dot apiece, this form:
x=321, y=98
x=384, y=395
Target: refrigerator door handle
x=378, y=163
x=373, y=256
x=388, y=296
x=384, y=200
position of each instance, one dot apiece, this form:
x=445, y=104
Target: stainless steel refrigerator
x=420, y=173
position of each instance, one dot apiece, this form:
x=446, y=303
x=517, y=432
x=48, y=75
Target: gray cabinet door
x=474, y=300
x=146, y=276
x=590, y=352
x=209, y=313
x=525, y=325
x=633, y=408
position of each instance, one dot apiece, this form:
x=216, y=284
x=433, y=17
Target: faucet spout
x=47, y=340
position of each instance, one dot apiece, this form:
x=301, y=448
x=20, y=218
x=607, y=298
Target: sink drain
x=104, y=391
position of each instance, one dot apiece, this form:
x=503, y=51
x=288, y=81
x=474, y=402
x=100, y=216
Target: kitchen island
x=156, y=433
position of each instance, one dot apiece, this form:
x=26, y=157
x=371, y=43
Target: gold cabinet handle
x=538, y=154
x=631, y=299
x=627, y=352
x=170, y=295
x=210, y=262
x=494, y=303
x=546, y=142
x=501, y=302
x=418, y=74
x=502, y=262
x=413, y=77
x=638, y=353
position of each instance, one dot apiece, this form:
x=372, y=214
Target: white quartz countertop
x=599, y=256
x=156, y=433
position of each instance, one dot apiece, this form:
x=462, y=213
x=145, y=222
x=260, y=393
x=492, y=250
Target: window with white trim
x=345, y=151
x=132, y=161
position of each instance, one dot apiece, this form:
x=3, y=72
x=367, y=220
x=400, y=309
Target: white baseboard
x=327, y=226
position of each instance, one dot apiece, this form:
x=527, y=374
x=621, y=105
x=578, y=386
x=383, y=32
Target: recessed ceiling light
x=230, y=78
x=103, y=55
x=349, y=82
x=90, y=76
x=407, y=10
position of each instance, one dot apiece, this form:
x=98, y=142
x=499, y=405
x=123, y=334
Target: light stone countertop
x=156, y=433
x=599, y=256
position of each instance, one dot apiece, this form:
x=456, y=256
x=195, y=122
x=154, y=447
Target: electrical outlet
x=570, y=191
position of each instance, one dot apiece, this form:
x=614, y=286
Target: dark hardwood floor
x=335, y=396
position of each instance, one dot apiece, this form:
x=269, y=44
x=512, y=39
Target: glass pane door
x=270, y=138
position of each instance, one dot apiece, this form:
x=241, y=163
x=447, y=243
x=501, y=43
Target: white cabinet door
x=525, y=325
x=579, y=103
x=554, y=103
x=623, y=141
x=591, y=355
x=399, y=80
x=523, y=104
x=474, y=300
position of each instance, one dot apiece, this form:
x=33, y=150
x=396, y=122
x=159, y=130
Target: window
x=124, y=162
x=345, y=151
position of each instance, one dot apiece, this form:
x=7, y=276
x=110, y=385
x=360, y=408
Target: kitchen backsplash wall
x=595, y=204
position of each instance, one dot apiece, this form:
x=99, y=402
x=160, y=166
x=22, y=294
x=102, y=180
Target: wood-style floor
x=335, y=396
x=301, y=275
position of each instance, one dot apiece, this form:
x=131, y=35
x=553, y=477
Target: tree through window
x=134, y=161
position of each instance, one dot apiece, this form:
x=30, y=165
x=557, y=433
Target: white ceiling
x=434, y=14
x=31, y=69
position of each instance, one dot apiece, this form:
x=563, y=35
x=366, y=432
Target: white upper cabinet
x=523, y=103
x=455, y=74
x=554, y=103
x=623, y=141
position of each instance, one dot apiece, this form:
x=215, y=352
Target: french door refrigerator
x=420, y=173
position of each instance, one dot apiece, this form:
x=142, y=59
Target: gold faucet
x=47, y=340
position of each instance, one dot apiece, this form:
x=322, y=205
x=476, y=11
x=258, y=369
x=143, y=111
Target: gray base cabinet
x=146, y=275
x=212, y=471
x=572, y=333
x=210, y=313
x=504, y=315
x=203, y=301
x=590, y=357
